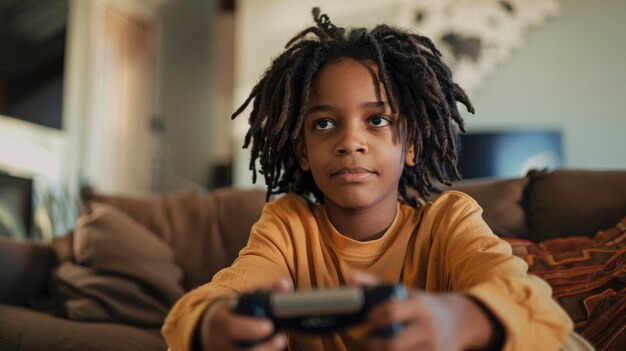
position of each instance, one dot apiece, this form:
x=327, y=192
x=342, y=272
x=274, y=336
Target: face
x=352, y=143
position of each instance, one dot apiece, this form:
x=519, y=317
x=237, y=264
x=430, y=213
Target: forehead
x=345, y=79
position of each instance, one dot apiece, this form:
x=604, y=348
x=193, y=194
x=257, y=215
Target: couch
x=109, y=283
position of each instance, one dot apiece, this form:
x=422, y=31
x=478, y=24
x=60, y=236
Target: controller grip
x=380, y=294
x=254, y=305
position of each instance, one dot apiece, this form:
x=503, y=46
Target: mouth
x=353, y=174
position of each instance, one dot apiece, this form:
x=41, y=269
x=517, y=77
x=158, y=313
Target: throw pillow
x=204, y=230
x=88, y=295
x=588, y=279
x=122, y=272
x=110, y=242
x=500, y=199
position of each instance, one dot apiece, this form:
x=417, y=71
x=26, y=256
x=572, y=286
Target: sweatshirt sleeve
x=481, y=265
x=260, y=264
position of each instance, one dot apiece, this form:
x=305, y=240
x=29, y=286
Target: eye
x=323, y=124
x=379, y=121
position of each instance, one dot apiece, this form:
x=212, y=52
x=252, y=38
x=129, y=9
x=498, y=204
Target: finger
x=412, y=337
x=211, y=327
x=238, y=327
x=358, y=278
x=400, y=311
x=278, y=342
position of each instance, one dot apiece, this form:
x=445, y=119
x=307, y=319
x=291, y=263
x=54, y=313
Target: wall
x=61, y=161
x=186, y=92
x=48, y=155
x=570, y=75
x=186, y=101
x=32, y=151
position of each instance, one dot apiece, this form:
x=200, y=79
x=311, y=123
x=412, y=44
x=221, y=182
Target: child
x=356, y=119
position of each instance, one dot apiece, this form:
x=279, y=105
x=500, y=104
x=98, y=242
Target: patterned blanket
x=588, y=278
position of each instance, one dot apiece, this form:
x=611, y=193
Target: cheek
x=394, y=152
x=317, y=163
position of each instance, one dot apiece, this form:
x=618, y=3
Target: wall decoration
x=475, y=36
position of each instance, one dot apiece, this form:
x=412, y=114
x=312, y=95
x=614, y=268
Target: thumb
x=282, y=284
x=359, y=278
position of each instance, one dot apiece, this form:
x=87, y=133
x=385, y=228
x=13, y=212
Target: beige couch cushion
x=25, y=329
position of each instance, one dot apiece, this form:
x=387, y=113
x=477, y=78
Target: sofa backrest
x=572, y=202
x=205, y=230
x=546, y=205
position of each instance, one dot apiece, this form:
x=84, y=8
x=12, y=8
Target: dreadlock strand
x=459, y=95
x=382, y=71
x=284, y=108
x=307, y=79
x=414, y=40
x=425, y=41
x=287, y=106
x=246, y=103
x=324, y=23
x=315, y=30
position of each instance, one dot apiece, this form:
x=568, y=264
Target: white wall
x=33, y=151
x=570, y=75
x=186, y=98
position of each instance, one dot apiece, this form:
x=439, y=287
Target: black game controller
x=318, y=311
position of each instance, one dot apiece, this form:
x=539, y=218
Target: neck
x=362, y=224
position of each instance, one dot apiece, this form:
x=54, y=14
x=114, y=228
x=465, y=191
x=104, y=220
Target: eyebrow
x=377, y=104
x=327, y=108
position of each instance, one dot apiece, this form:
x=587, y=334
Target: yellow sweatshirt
x=441, y=247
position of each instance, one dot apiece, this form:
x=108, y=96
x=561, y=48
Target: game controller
x=318, y=311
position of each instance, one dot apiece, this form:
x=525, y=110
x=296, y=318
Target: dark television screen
x=508, y=154
x=32, y=55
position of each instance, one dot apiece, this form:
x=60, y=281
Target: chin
x=350, y=200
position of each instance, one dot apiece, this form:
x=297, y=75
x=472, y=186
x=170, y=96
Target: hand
x=431, y=321
x=220, y=328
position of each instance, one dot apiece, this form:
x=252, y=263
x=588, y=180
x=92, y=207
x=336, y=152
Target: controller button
x=319, y=322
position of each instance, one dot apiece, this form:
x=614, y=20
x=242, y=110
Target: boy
x=354, y=119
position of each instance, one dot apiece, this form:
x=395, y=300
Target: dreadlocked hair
x=425, y=95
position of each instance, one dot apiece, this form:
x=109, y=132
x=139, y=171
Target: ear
x=409, y=155
x=301, y=153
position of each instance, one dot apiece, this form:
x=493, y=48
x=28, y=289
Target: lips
x=353, y=174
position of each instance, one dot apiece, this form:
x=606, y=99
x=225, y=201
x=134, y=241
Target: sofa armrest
x=24, y=267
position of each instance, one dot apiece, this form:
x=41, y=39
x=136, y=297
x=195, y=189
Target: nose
x=351, y=140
